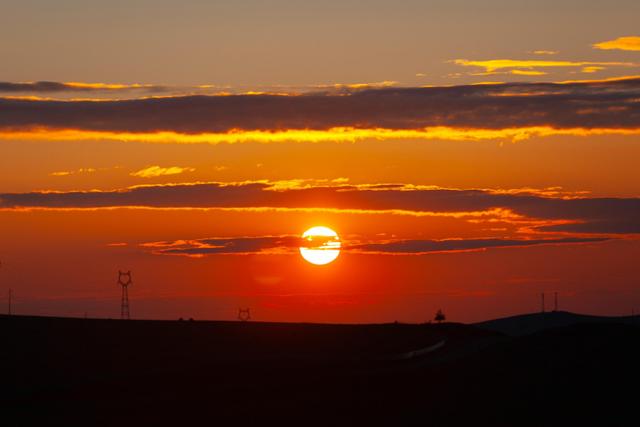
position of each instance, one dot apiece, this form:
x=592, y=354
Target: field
x=563, y=369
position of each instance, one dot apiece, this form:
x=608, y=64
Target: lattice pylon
x=244, y=314
x=124, y=280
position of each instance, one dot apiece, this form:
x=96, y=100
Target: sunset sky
x=470, y=155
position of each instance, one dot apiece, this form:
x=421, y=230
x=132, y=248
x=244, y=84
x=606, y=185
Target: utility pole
x=555, y=303
x=542, y=300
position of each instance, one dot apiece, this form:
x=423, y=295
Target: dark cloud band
x=287, y=244
x=457, y=245
x=52, y=87
x=592, y=105
x=586, y=215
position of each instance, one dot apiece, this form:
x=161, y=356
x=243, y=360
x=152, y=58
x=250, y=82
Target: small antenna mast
x=9, y=298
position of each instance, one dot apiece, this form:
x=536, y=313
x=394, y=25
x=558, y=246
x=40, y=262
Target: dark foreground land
x=535, y=370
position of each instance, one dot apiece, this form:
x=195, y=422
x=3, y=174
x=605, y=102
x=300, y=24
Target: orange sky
x=199, y=172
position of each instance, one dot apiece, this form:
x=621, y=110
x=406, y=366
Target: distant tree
x=440, y=317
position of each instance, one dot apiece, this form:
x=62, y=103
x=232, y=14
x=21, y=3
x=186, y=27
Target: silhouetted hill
x=525, y=324
x=71, y=372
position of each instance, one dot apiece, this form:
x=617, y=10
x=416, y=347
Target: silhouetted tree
x=440, y=317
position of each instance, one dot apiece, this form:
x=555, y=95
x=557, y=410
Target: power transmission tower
x=542, y=301
x=244, y=314
x=555, y=302
x=124, y=280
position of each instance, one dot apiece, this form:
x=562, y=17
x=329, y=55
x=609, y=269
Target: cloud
x=155, y=171
x=73, y=172
x=459, y=245
x=290, y=244
x=109, y=90
x=592, y=69
x=349, y=134
x=539, y=211
x=493, y=65
x=356, y=86
x=81, y=171
x=527, y=73
x=621, y=43
x=545, y=52
x=49, y=87
x=487, y=111
x=234, y=245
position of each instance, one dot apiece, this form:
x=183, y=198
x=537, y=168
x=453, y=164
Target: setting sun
x=322, y=245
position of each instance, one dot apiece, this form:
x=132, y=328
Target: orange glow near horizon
x=324, y=184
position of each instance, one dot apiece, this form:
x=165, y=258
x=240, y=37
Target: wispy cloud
x=357, y=86
x=418, y=247
x=289, y=244
x=544, y=52
x=621, y=43
x=527, y=72
x=73, y=172
x=63, y=90
x=50, y=87
x=592, y=69
x=228, y=245
x=155, y=171
x=496, y=65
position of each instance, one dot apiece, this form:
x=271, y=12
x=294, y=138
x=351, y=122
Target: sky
x=470, y=156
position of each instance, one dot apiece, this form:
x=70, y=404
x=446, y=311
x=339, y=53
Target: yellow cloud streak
x=592, y=69
x=67, y=173
x=340, y=134
x=621, y=43
x=385, y=83
x=609, y=79
x=106, y=86
x=155, y=171
x=492, y=65
x=527, y=73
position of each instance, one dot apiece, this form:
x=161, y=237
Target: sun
x=321, y=245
